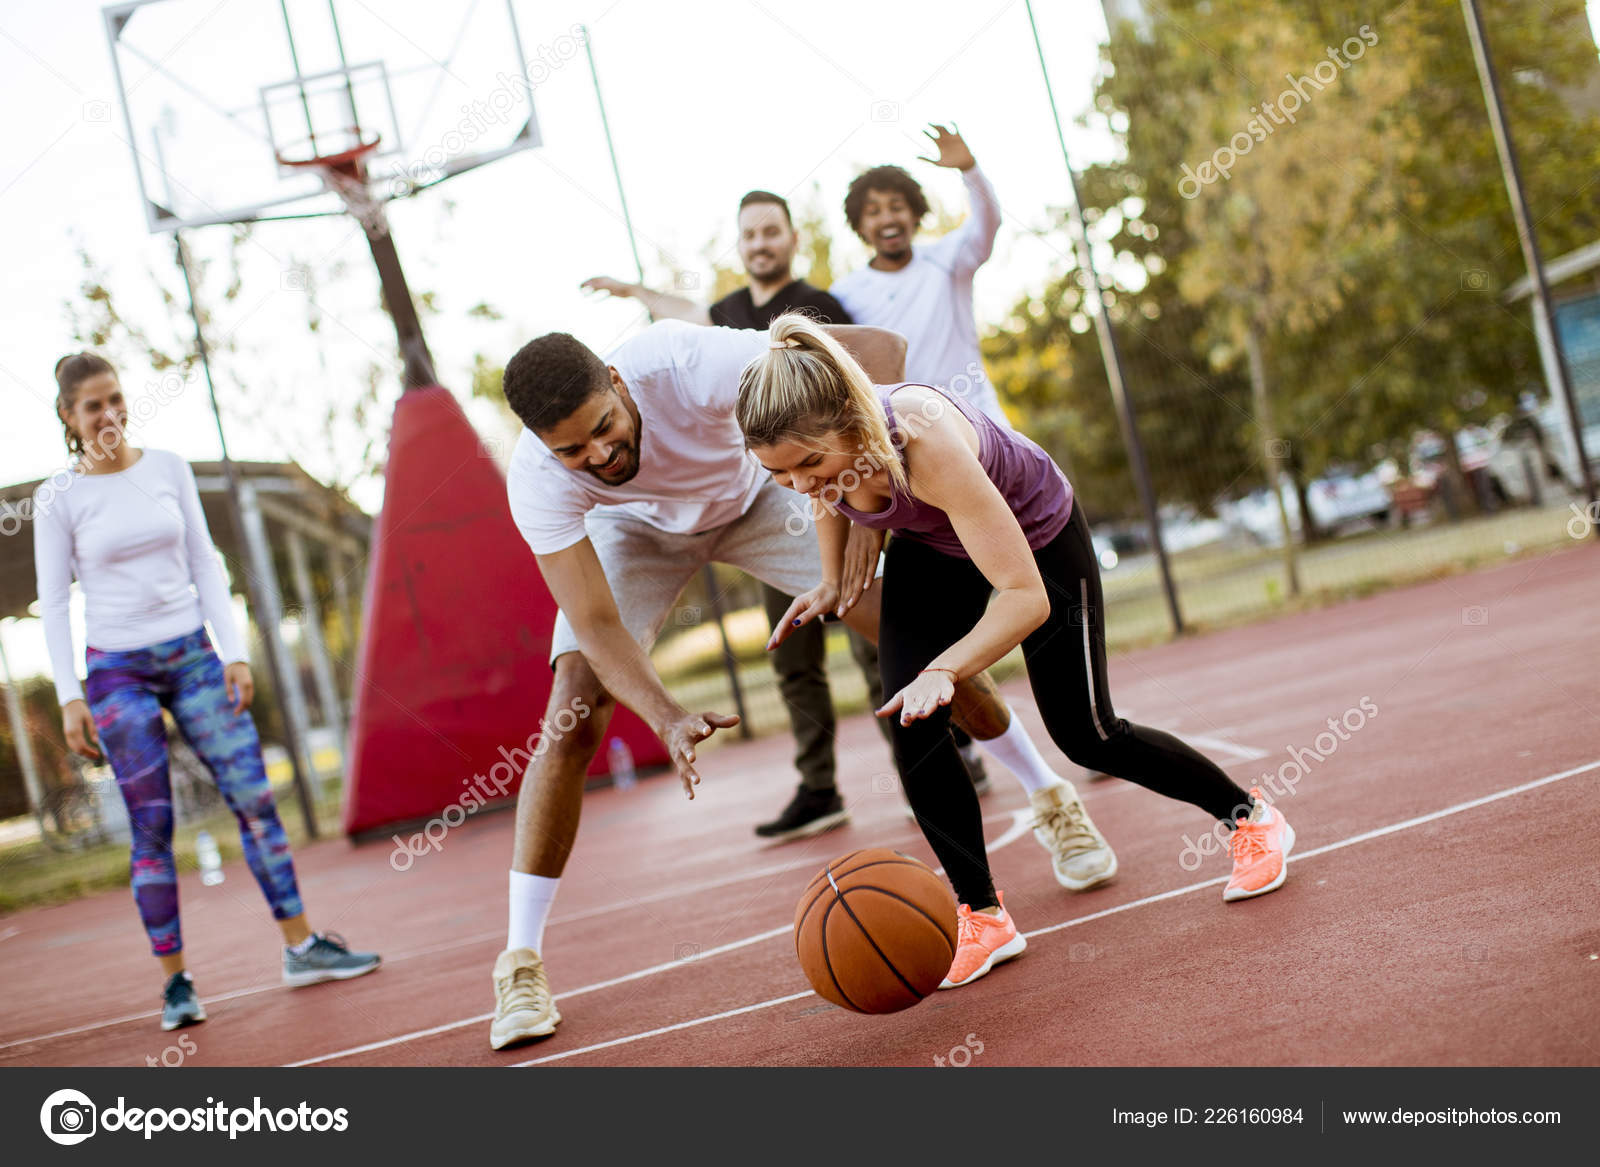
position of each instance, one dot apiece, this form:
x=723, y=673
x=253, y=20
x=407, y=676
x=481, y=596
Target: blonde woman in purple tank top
x=991, y=551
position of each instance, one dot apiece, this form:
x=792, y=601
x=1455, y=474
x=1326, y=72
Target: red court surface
x=1440, y=906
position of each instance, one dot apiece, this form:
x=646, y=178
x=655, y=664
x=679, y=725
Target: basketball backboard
x=219, y=101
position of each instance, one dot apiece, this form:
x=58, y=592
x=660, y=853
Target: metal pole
x=729, y=661
x=316, y=648
x=605, y=124
x=1110, y=355
x=267, y=614
x=1531, y=255
x=19, y=734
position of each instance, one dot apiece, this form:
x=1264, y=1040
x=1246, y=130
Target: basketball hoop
x=349, y=163
x=344, y=171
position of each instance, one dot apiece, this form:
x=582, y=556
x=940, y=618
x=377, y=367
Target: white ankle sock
x=531, y=897
x=1015, y=750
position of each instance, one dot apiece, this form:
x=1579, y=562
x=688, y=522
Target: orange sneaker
x=982, y=941
x=1261, y=846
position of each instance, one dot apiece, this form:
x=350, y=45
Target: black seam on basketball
x=868, y=936
x=917, y=908
x=827, y=961
x=839, y=874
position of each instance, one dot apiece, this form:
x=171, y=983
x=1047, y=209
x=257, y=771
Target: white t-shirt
x=138, y=543
x=694, y=472
x=929, y=302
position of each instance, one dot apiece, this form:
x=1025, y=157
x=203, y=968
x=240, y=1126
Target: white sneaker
x=523, y=1005
x=1079, y=854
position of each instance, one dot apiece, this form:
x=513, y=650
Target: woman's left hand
x=240, y=686
x=920, y=698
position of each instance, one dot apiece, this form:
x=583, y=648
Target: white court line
x=665, y=1029
x=1365, y=836
x=1021, y=823
x=457, y=942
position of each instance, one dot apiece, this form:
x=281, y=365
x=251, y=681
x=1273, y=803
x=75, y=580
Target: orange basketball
x=875, y=931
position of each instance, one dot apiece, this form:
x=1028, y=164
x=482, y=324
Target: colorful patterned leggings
x=126, y=692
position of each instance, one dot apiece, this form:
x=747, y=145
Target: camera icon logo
x=97, y=110
x=885, y=111
x=1474, y=280
x=68, y=1117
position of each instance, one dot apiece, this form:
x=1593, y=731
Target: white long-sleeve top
x=138, y=544
x=929, y=302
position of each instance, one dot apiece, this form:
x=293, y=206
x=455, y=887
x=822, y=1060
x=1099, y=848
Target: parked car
x=1339, y=500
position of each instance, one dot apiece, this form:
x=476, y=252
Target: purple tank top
x=1039, y=494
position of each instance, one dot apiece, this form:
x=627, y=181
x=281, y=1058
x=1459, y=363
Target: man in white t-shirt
x=925, y=294
x=631, y=475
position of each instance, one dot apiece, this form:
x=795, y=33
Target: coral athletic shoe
x=982, y=941
x=523, y=1005
x=1261, y=846
x=1079, y=853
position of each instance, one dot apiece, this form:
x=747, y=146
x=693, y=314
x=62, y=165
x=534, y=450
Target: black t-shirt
x=739, y=310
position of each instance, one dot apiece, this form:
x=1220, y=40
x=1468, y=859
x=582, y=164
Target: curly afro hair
x=893, y=179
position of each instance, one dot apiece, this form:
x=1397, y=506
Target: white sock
x=531, y=897
x=1015, y=750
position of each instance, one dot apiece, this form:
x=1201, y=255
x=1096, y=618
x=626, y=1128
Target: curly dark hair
x=893, y=179
x=73, y=370
x=551, y=377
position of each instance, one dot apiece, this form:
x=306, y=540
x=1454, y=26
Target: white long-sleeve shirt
x=929, y=302
x=138, y=543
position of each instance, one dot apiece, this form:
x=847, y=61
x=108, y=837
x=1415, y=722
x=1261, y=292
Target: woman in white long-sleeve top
x=129, y=527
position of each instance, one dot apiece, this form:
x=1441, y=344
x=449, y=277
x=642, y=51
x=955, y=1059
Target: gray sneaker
x=180, y=1004
x=328, y=959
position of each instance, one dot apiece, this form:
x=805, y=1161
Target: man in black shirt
x=767, y=245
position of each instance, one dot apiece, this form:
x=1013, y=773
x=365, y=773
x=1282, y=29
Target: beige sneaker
x=1079, y=854
x=523, y=1006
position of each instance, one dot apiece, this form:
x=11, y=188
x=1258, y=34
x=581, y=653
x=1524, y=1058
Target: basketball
x=875, y=931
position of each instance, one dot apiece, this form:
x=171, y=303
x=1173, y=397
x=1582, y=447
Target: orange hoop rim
x=349, y=162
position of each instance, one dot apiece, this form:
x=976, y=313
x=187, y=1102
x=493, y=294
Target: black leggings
x=930, y=601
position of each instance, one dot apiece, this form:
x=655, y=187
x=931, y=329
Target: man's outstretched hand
x=682, y=734
x=953, y=150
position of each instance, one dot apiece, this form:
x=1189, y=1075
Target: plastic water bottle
x=619, y=760
x=205, y=850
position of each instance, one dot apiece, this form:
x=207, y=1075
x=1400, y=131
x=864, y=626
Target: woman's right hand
x=819, y=601
x=78, y=723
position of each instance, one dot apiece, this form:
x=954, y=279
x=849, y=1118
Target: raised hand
x=953, y=150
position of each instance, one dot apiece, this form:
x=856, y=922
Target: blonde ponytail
x=806, y=385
